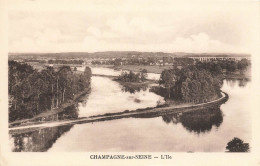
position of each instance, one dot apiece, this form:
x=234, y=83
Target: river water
x=203, y=131
x=112, y=72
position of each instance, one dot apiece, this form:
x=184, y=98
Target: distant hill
x=117, y=54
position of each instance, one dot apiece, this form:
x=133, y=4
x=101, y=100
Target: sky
x=154, y=25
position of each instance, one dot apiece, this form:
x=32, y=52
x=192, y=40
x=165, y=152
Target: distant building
x=210, y=58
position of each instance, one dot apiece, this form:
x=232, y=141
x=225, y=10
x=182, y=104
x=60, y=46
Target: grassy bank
x=137, y=68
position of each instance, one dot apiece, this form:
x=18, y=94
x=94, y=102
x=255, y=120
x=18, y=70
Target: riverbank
x=133, y=87
x=237, y=76
x=158, y=70
x=139, y=113
x=137, y=68
x=54, y=111
x=133, y=84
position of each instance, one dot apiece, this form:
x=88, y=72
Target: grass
x=137, y=68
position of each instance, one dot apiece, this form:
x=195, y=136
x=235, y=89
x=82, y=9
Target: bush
x=237, y=145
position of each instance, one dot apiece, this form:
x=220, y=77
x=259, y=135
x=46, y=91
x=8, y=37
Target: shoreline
x=158, y=70
x=61, y=109
x=159, y=110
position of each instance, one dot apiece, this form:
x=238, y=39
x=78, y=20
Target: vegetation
x=133, y=87
x=32, y=92
x=62, y=61
x=138, y=68
x=115, y=54
x=183, y=61
x=133, y=77
x=189, y=84
x=224, y=66
x=197, y=82
x=237, y=145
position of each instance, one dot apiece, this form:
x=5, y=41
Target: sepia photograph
x=151, y=78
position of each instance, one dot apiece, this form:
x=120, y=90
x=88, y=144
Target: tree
x=117, y=62
x=232, y=66
x=131, y=77
x=167, y=79
x=65, y=82
x=50, y=79
x=183, y=61
x=243, y=64
x=32, y=92
x=143, y=74
x=190, y=84
x=237, y=145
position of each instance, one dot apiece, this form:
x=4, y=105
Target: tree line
x=189, y=84
x=134, y=61
x=62, y=61
x=198, y=81
x=225, y=66
x=32, y=92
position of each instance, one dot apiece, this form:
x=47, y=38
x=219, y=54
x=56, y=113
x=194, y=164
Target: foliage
x=133, y=77
x=62, y=61
x=237, y=145
x=32, y=92
x=218, y=67
x=143, y=75
x=214, y=68
x=183, y=61
x=190, y=84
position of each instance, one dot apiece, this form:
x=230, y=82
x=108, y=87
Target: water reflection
x=112, y=72
x=69, y=113
x=198, y=121
x=133, y=89
x=203, y=120
x=232, y=82
x=108, y=96
x=204, y=130
x=39, y=140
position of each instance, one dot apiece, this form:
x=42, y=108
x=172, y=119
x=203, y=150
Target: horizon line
x=180, y=52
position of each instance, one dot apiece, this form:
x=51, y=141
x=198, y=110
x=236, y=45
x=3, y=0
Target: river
x=112, y=72
x=204, y=131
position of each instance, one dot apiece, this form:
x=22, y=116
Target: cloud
x=200, y=42
x=94, y=31
x=195, y=43
x=96, y=40
x=186, y=31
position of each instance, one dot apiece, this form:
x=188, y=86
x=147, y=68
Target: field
x=150, y=69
